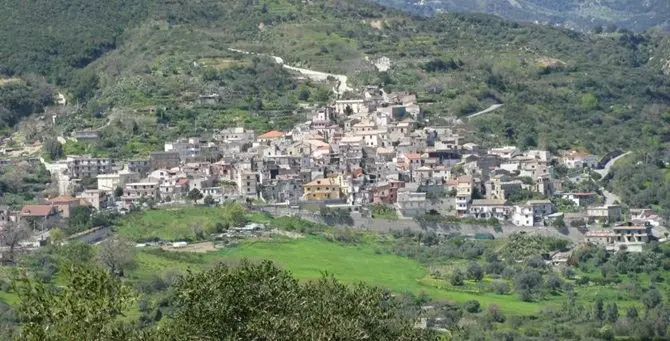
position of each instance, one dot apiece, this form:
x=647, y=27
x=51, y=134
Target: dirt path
x=319, y=76
x=197, y=248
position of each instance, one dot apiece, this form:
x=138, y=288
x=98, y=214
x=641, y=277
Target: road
x=608, y=167
x=485, y=111
x=58, y=170
x=610, y=198
x=318, y=76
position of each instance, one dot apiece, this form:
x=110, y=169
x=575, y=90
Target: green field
x=309, y=258
x=171, y=224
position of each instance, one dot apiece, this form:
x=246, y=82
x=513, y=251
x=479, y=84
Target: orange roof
x=413, y=156
x=37, y=210
x=272, y=134
x=356, y=172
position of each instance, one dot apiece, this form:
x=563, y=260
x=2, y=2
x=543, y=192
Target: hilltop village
x=374, y=155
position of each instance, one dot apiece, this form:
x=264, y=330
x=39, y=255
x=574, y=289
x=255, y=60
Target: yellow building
x=321, y=189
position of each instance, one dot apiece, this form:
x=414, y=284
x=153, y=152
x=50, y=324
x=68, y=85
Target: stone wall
x=387, y=225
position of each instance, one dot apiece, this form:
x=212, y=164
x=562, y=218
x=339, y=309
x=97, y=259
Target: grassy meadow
x=350, y=256
x=309, y=258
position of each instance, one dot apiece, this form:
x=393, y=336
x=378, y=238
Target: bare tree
x=12, y=234
x=117, y=255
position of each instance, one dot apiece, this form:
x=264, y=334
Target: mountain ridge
x=574, y=14
x=169, y=52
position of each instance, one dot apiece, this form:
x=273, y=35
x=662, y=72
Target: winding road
x=485, y=111
x=608, y=166
x=318, y=76
x=610, y=198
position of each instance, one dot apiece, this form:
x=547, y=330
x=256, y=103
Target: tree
x=651, y=299
x=304, y=95
x=598, y=309
x=527, y=284
x=553, y=283
x=234, y=215
x=56, y=235
x=612, y=312
x=75, y=252
x=589, y=101
x=475, y=272
x=118, y=192
x=494, y=314
x=12, y=234
x=263, y=302
x=559, y=224
x=88, y=307
x=500, y=287
x=209, y=200
x=80, y=219
x=472, y=306
x=117, y=255
x=194, y=195
x=53, y=148
x=336, y=216
x=456, y=278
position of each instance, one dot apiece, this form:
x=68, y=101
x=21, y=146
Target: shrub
x=494, y=314
x=456, y=278
x=472, y=306
x=475, y=272
x=500, y=287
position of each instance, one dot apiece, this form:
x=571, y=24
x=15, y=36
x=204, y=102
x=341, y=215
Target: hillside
x=560, y=88
x=575, y=14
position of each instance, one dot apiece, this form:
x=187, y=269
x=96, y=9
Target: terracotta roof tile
x=37, y=210
x=272, y=134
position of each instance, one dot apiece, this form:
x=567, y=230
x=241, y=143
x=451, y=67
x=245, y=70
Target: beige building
x=247, y=184
x=609, y=213
x=620, y=238
x=498, y=188
x=322, y=189
x=138, y=190
x=109, y=182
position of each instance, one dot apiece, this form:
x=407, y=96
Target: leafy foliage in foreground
x=275, y=306
x=250, y=301
x=87, y=308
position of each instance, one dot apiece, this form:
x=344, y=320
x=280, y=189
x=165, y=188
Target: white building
x=110, y=182
x=575, y=159
x=523, y=216
x=357, y=106
x=490, y=208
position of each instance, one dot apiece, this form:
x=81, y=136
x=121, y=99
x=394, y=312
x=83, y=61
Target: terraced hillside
x=138, y=69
